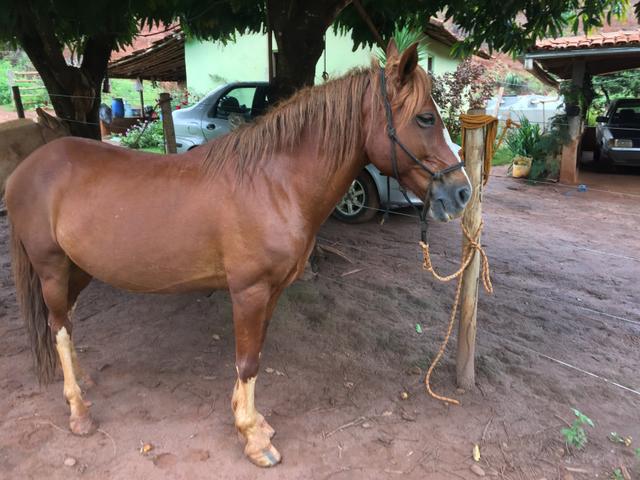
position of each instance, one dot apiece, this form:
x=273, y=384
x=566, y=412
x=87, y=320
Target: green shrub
x=575, y=436
x=522, y=141
x=5, y=91
x=544, y=148
x=548, y=148
x=144, y=135
x=18, y=61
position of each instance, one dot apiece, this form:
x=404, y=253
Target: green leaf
x=418, y=328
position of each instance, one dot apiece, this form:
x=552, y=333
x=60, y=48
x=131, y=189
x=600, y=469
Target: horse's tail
x=34, y=311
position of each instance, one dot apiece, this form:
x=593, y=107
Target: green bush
x=522, y=141
x=144, y=135
x=543, y=148
x=18, y=61
x=5, y=91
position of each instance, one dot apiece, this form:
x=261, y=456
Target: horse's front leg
x=252, y=309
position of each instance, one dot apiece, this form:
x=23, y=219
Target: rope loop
x=473, y=245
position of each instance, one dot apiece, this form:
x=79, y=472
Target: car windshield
x=626, y=114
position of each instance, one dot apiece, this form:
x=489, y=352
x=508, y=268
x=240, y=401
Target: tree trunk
x=74, y=91
x=299, y=28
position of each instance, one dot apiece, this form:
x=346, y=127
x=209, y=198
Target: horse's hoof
x=266, y=457
x=82, y=426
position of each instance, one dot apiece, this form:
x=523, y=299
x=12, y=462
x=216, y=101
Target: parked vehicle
x=214, y=115
x=618, y=134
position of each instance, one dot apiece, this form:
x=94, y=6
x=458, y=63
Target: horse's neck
x=318, y=182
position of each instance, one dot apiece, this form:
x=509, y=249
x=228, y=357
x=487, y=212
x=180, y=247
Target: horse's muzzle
x=448, y=200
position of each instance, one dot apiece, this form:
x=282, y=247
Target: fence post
x=465, y=362
x=17, y=100
x=167, y=124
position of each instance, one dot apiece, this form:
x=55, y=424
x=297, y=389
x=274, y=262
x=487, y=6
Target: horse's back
x=132, y=220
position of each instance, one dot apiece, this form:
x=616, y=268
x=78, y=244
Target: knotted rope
x=473, y=245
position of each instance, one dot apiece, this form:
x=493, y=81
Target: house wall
x=210, y=64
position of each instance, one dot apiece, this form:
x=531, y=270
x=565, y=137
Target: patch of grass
x=503, y=156
x=153, y=149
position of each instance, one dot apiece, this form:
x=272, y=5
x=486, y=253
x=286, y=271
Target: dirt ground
x=341, y=349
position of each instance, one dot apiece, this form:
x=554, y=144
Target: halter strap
x=435, y=175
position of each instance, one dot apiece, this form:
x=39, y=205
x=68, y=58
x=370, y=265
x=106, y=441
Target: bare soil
x=342, y=348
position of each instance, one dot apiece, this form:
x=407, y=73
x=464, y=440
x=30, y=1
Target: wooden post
x=167, y=124
x=465, y=362
x=17, y=100
x=569, y=159
x=142, y=105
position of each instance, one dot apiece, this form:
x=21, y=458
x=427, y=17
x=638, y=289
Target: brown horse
x=240, y=213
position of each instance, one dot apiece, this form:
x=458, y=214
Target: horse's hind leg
x=252, y=309
x=78, y=280
x=54, y=277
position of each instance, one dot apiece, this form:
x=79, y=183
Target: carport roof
x=162, y=61
x=602, y=53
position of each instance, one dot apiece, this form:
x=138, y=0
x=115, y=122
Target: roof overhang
x=162, y=61
x=445, y=34
x=601, y=53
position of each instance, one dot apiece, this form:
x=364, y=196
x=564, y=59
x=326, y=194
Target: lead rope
x=473, y=243
x=471, y=248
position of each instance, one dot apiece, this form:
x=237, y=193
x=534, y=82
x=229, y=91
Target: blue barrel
x=117, y=107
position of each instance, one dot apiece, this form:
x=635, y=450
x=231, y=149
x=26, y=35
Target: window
x=626, y=114
x=238, y=100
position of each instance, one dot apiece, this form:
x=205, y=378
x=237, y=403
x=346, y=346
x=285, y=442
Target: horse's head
x=403, y=116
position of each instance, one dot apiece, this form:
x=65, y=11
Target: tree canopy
x=44, y=28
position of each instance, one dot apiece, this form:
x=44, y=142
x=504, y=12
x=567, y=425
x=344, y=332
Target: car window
x=626, y=114
x=261, y=102
x=238, y=100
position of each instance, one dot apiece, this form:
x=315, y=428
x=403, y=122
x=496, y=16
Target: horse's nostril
x=464, y=194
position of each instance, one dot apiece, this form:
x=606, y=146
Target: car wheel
x=361, y=202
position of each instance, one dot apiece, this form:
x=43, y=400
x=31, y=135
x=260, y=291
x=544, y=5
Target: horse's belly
x=177, y=262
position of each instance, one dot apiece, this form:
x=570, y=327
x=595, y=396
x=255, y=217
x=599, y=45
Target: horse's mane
x=333, y=110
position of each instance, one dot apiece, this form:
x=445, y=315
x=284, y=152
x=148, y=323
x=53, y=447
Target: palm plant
x=522, y=141
x=405, y=37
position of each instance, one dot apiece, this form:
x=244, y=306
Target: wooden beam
x=367, y=20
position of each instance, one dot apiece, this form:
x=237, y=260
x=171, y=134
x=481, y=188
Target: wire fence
x=500, y=287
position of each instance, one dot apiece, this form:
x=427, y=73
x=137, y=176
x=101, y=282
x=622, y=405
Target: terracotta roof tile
x=620, y=38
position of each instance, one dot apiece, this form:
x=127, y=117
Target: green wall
x=210, y=64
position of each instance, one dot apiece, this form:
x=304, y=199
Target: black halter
x=437, y=175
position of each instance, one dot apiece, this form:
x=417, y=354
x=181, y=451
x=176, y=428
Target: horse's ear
x=44, y=117
x=408, y=62
x=392, y=49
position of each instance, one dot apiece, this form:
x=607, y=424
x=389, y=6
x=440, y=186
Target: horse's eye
x=426, y=119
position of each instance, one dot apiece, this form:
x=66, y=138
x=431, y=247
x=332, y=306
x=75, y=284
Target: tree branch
x=367, y=19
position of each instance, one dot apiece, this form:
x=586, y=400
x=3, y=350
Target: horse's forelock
x=409, y=97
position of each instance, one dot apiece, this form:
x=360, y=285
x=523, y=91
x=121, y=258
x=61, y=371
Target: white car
x=212, y=116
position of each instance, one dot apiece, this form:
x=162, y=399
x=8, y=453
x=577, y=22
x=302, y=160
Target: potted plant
x=522, y=144
x=521, y=166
